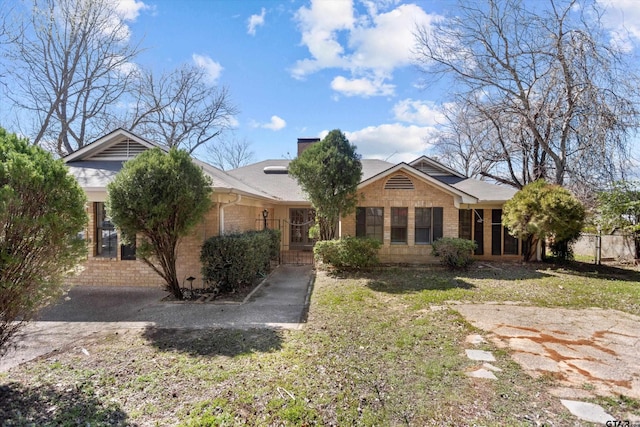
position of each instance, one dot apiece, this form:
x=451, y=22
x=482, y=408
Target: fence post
x=599, y=246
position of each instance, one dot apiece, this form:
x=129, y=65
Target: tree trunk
x=530, y=249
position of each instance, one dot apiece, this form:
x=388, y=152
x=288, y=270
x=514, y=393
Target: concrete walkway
x=589, y=352
x=281, y=301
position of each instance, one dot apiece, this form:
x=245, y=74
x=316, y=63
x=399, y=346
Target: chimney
x=304, y=143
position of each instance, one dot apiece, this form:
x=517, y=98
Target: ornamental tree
x=543, y=211
x=329, y=173
x=42, y=212
x=159, y=197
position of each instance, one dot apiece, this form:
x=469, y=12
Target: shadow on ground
x=48, y=405
x=425, y=284
x=218, y=342
x=604, y=271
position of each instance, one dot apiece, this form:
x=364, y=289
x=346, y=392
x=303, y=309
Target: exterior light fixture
x=265, y=214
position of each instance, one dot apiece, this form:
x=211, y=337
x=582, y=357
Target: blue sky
x=300, y=68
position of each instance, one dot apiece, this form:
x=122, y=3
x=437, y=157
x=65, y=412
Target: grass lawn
x=379, y=348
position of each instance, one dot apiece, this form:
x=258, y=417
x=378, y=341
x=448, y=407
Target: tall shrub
x=160, y=197
x=329, y=173
x=42, y=211
x=543, y=211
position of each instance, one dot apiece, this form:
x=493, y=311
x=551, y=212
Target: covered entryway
x=298, y=249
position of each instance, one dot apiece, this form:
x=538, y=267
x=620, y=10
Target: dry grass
x=373, y=352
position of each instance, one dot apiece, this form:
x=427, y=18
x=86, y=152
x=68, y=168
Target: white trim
x=459, y=195
x=437, y=165
x=107, y=141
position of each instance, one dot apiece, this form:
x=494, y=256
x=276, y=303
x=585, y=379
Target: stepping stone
x=482, y=373
x=475, y=339
x=490, y=367
x=587, y=411
x=481, y=355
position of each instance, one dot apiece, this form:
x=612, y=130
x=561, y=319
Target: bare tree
x=70, y=64
x=464, y=141
x=557, y=98
x=230, y=153
x=180, y=109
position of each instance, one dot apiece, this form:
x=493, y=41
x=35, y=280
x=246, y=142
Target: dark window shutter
x=361, y=222
x=437, y=223
x=478, y=232
x=496, y=232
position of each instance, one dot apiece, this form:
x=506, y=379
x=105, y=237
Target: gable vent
x=122, y=150
x=425, y=167
x=399, y=182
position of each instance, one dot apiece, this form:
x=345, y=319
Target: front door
x=300, y=221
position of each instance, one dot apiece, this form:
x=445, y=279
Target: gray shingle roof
x=283, y=186
x=485, y=192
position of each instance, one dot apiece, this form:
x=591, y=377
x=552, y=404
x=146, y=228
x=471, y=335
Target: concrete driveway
x=280, y=302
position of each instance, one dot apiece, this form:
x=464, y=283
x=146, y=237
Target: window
x=428, y=225
x=128, y=252
x=399, y=221
x=465, y=216
x=470, y=223
x=106, y=237
x=501, y=241
x=369, y=223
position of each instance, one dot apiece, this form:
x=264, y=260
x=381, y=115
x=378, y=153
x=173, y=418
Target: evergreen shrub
x=453, y=252
x=233, y=260
x=348, y=253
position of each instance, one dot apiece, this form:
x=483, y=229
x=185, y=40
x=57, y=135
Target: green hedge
x=453, y=252
x=233, y=260
x=348, y=253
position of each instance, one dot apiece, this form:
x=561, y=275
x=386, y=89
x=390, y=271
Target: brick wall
x=423, y=195
x=97, y=271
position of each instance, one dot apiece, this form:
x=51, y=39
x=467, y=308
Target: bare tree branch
x=72, y=62
x=230, y=153
x=180, y=109
x=543, y=83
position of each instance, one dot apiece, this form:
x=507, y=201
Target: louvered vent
x=399, y=182
x=122, y=150
x=425, y=167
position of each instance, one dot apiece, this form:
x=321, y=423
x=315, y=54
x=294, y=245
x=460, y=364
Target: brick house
x=406, y=206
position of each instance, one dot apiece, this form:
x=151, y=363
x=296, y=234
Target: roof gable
x=459, y=195
x=119, y=145
x=432, y=167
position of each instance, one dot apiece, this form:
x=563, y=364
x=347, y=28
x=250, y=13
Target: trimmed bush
x=348, y=253
x=233, y=260
x=453, y=252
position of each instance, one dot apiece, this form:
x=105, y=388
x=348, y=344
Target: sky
x=299, y=68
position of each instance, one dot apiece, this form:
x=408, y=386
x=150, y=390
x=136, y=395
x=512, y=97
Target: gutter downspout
x=221, y=208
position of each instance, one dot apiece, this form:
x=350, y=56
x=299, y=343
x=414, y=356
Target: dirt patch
x=590, y=350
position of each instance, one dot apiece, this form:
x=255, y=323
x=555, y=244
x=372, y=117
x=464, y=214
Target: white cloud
x=361, y=87
x=255, y=21
x=418, y=112
x=275, y=124
x=320, y=26
x=130, y=9
x=388, y=42
x=622, y=18
x=369, y=44
x=211, y=67
x=395, y=142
